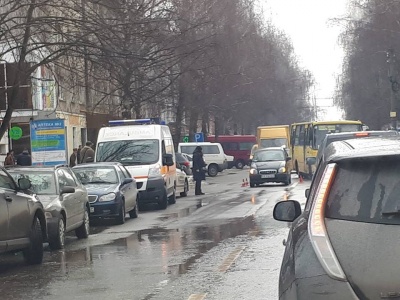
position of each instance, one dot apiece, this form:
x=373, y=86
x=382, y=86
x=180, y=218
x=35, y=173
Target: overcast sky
x=314, y=37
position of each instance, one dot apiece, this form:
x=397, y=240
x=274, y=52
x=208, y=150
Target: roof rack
x=147, y=121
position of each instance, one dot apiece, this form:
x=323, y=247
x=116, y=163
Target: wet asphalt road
x=223, y=245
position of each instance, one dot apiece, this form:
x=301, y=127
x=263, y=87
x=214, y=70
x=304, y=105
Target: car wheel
x=57, y=241
x=185, y=189
x=172, y=198
x=82, y=232
x=134, y=212
x=121, y=214
x=239, y=164
x=213, y=170
x=34, y=253
x=164, y=201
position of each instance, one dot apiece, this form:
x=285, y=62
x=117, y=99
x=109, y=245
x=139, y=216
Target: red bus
x=239, y=146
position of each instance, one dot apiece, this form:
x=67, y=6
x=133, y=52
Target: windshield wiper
x=391, y=213
x=101, y=181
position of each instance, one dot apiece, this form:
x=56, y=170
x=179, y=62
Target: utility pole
x=391, y=60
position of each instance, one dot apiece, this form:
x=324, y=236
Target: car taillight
x=361, y=134
x=187, y=164
x=318, y=236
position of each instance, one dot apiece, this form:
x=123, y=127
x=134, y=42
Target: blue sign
x=48, y=142
x=199, y=137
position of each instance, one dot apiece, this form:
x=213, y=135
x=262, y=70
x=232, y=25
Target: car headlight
x=108, y=197
x=282, y=170
x=253, y=171
x=155, y=171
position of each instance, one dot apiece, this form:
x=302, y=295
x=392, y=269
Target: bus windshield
x=130, y=152
x=320, y=131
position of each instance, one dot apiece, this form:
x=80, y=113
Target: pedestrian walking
x=87, y=153
x=78, y=155
x=199, y=173
x=73, y=159
x=24, y=159
x=10, y=160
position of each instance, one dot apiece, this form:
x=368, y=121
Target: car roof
x=99, y=164
x=270, y=148
x=339, y=135
x=362, y=148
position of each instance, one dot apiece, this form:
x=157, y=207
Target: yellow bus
x=307, y=137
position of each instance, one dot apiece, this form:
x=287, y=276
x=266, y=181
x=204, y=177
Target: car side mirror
x=307, y=192
x=168, y=160
x=288, y=158
x=311, y=161
x=127, y=181
x=287, y=211
x=24, y=183
x=67, y=190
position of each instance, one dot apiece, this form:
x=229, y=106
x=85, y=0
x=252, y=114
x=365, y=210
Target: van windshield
x=277, y=142
x=130, y=152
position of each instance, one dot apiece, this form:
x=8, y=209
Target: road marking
x=231, y=258
x=197, y=297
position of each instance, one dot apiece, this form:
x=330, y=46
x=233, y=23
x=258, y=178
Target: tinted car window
x=365, y=190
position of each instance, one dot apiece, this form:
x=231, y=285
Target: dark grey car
x=345, y=244
x=22, y=219
x=65, y=200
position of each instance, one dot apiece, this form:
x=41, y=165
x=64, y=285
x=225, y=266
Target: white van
x=214, y=155
x=147, y=151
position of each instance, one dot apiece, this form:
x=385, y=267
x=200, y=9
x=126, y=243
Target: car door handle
x=8, y=198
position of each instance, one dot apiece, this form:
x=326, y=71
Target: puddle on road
x=182, y=212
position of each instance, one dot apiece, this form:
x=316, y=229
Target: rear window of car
x=366, y=190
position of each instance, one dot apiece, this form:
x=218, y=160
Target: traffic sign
x=15, y=133
x=185, y=139
x=199, y=137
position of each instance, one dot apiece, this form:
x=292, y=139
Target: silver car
x=64, y=198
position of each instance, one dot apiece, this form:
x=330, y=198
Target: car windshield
x=366, y=191
x=43, y=182
x=130, y=152
x=94, y=175
x=269, y=155
x=278, y=142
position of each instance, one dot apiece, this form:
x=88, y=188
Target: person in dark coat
x=24, y=159
x=87, y=153
x=73, y=158
x=199, y=174
x=78, y=154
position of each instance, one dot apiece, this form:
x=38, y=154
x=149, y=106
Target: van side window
x=211, y=149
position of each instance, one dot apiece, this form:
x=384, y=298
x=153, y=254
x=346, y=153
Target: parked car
x=112, y=190
x=182, y=181
x=270, y=165
x=22, y=219
x=189, y=157
x=332, y=137
x=184, y=162
x=213, y=155
x=343, y=245
x=64, y=198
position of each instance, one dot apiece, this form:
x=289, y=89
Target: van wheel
x=213, y=170
x=34, y=253
x=164, y=201
x=240, y=164
x=172, y=198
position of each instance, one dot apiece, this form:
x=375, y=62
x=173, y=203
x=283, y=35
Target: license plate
x=268, y=176
x=92, y=209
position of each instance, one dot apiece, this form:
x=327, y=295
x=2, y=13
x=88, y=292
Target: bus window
x=297, y=136
x=302, y=135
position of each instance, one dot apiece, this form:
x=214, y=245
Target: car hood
x=369, y=255
x=46, y=200
x=269, y=164
x=100, y=188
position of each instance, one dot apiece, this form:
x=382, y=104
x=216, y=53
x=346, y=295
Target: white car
x=182, y=183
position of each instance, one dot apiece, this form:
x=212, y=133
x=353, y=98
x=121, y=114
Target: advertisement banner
x=48, y=142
